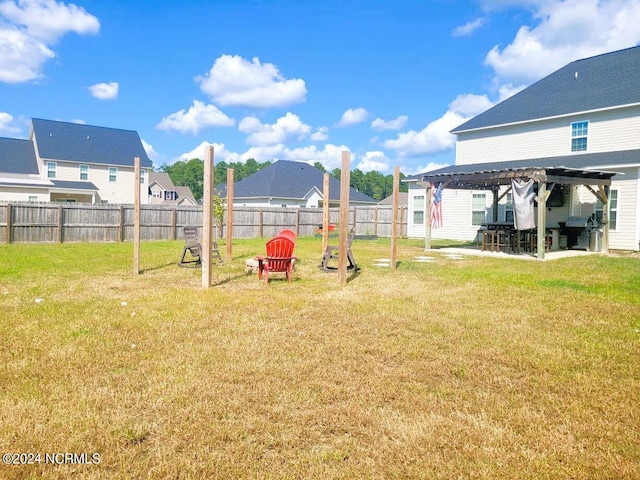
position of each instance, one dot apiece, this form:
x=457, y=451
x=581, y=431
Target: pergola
x=475, y=177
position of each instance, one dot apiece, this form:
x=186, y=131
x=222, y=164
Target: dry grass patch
x=454, y=369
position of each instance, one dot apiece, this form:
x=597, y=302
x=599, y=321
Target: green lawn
x=476, y=368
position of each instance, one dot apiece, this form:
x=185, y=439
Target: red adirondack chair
x=279, y=258
x=290, y=234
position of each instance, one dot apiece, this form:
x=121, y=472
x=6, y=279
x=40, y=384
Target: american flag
x=436, y=205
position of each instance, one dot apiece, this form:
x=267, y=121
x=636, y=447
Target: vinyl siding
x=612, y=130
x=119, y=192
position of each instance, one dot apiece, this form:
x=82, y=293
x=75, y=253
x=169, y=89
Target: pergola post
x=207, y=217
x=427, y=218
x=495, y=205
x=542, y=219
x=394, y=217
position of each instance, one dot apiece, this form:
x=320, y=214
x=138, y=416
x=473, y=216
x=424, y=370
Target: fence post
x=8, y=214
x=60, y=222
x=121, y=227
x=174, y=216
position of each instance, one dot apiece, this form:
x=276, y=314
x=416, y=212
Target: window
x=51, y=169
x=418, y=210
x=156, y=193
x=84, y=172
x=613, y=209
x=169, y=195
x=508, y=210
x=478, y=208
x=33, y=198
x=579, y=131
x=142, y=173
x=113, y=171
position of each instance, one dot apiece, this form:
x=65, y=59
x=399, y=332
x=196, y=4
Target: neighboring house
x=163, y=191
x=402, y=199
x=289, y=184
x=576, y=122
x=71, y=162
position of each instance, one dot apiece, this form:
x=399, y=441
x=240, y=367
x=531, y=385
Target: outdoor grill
x=578, y=231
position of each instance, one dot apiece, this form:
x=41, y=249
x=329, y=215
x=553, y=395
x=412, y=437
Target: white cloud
x=153, y=155
x=285, y=130
x=28, y=30
x=435, y=137
x=395, y=124
x=353, y=116
x=6, y=121
x=197, y=118
x=468, y=28
x=375, y=161
x=424, y=168
x=233, y=80
x=320, y=135
x=566, y=31
x=105, y=91
x=469, y=105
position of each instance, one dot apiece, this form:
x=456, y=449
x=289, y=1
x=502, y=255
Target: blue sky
x=291, y=79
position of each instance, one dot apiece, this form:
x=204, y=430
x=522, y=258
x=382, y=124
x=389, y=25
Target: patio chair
x=193, y=248
x=279, y=258
x=331, y=253
x=290, y=234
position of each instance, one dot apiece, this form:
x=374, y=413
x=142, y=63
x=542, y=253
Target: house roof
x=403, y=199
x=87, y=143
x=600, y=82
x=288, y=179
x=17, y=157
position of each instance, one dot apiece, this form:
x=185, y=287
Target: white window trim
x=52, y=167
x=87, y=172
x=115, y=174
x=586, y=137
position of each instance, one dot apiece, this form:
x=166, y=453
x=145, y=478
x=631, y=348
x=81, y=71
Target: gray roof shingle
x=88, y=144
x=599, y=82
x=288, y=179
x=17, y=157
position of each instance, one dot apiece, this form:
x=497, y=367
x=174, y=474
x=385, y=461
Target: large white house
x=71, y=162
x=576, y=125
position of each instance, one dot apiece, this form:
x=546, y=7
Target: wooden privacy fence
x=73, y=222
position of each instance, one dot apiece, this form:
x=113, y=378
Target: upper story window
x=142, y=174
x=84, y=172
x=169, y=195
x=113, y=172
x=156, y=193
x=51, y=169
x=579, y=131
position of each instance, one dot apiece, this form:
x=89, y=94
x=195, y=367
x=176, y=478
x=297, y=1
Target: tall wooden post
x=136, y=216
x=427, y=218
x=344, y=218
x=542, y=219
x=394, y=217
x=325, y=212
x=207, y=217
x=229, y=214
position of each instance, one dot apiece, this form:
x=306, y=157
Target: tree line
x=190, y=173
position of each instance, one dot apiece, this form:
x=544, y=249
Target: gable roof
x=288, y=179
x=77, y=142
x=18, y=157
x=599, y=82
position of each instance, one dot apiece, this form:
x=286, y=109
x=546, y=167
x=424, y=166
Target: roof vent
x=87, y=137
x=576, y=74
